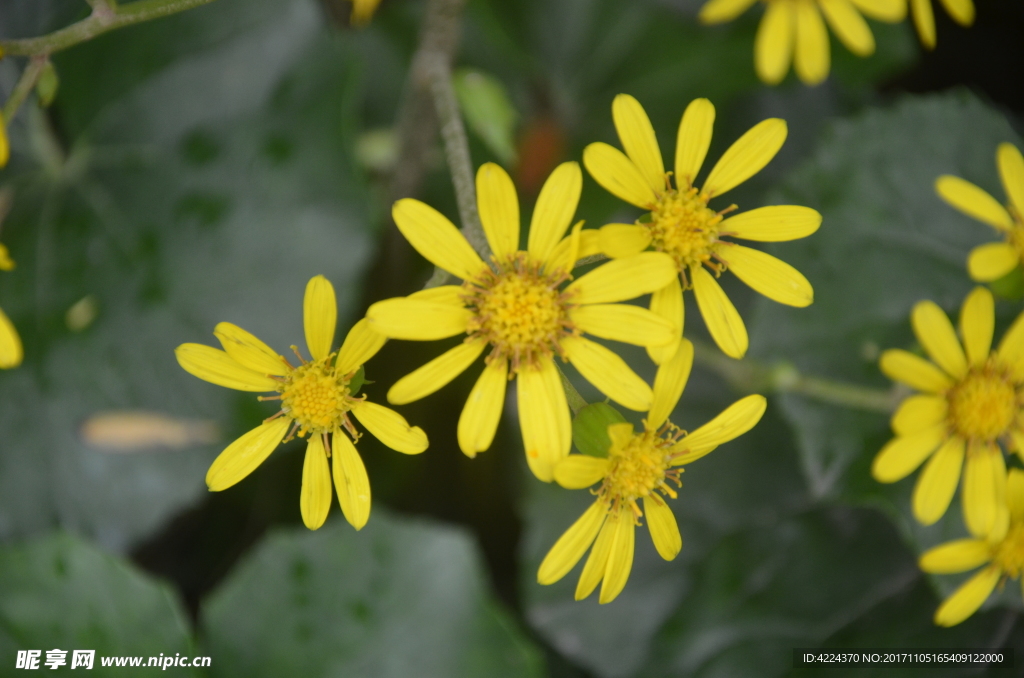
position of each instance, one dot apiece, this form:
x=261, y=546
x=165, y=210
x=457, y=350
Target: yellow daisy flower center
x=642, y=467
x=1009, y=555
x=519, y=310
x=984, y=403
x=316, y=397
x=685, y=228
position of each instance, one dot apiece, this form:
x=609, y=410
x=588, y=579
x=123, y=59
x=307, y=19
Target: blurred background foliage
x=203, y=167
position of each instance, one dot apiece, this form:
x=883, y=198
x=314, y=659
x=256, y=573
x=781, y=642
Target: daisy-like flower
x=362, y=11
x=993, y=260
x=973, y=402
x=1001, y=551
x=11, y=352
x=682, y=225
x=316, y=399
x=792, y=30
x=962, y=12
x=638, y=467
x=517, y=306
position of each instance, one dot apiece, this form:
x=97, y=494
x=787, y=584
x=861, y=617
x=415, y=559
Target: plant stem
x=749, y=376
x=572, y=396
x=29, y=78
x=104, y=17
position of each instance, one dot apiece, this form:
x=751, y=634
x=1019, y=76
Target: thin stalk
x=29, y=78
x=572, y=396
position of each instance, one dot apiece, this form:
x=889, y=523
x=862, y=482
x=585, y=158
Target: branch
x=105, y=17
x=29, y=78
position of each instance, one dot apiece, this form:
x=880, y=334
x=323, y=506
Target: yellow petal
x=811, y=58
x=579, y=471
x=390, y=427
x=498, y=205
x=594, y=569
x=966, y=600
x=776, y=223
x=435, y=374
x=962, y=11
x=442, y=294
x=543, y=418
x=241, y=457
x=992, y=261
x=892, y=11
x=772, y=277
x=773, y=46
x=1011, y=173
x=571, y=546
x=5, y=144
x=361, y=343
x=11, y=351
x=937, y=483
x=623, y=240
x=436, y=238
x=609, y=373
x=849, y=26
x=1011, y=347
x=733, y=422
x=669, y=382
x=217, y=367
x=416, y=319
x=663, y=527
x=1015, y=494
x=904, y=366
x=248, y=351
x=720, y=11
x=319, y=316
x=350, y=480
x=555, y=208
x=479, y=419
x=315, y=497
x=694, y=138
x=620, y=557
x=936, y=334
x=587, y=246
x=362, y=11
x=668, y=303
x=977, y=323
x=638, y=140
x=955, y=556
x=720, y=316
x=973, y=201
x=924, y=21
x=903, y=454
x=618, y=175
x=620, y=435
x=623, y=279
x=628, y=324
x=747, y=156
x=984, y=493
x=919, y=412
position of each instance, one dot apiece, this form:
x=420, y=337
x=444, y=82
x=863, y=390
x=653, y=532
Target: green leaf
x=60, y=592
x=398, y=598
x=590, y=428
x=488, y=111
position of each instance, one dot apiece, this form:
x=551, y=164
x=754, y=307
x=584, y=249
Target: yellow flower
x=362, y=11
x=962, y=12
x=11, y=352
x=518, y=307
x=681, y=224
x=971, y=404
x=639, y=466
x=792, y=30
x=1002, y=549
x=994, y=260
x=316, y=398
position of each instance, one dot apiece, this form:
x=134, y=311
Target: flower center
x=684, y=227
x=519, y=310
x=641, y=466
x=1010, y=554
x=316, y=397
x=983, y=404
